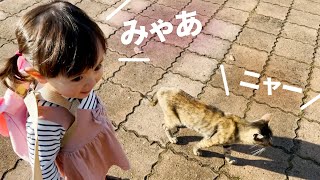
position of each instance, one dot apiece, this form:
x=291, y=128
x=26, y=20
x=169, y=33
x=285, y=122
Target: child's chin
x=83, y=95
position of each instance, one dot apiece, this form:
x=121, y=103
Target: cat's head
x=258, y=132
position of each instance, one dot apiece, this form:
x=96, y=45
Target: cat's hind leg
x=170, y=124
x=227, y=154
x=205, y=142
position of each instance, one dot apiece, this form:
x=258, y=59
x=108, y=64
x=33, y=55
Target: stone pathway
x=278, y=39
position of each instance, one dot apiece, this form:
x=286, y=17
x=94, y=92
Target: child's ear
x=35, y=74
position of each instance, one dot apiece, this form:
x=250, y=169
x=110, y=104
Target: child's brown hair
x=59, y=39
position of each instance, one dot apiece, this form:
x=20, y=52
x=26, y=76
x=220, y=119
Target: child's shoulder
x=55, y=114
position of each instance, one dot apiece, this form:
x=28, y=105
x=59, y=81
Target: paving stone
x=256, y=39
x=147, y=120
x=160, y=54
x=111, y=64
x=315, y=79
x=317, y=57
x=166, y=14
x=23, y=171
x=202, y=7
x=30, y=8
x=230, y=104
x=265, y=23
x=119, y=101
x=136, y=6
x=3, y=15
x=285, y=3
x=115, y=44
x=106, y=29
x=213, y=47
x=144, y=21
x=294, y=50
x=271, y=164
x=201, y=67
x=233, y=16
x=248, y=58
x=140, y=153
x=187, y=139
x=175, y=40
x=176, y=167
x=138, y=76
x=309, y=138
x=303, y=169
x=203, y=20
x=8, y=50
x=178, y=4
x=110, y=2
x=175, y=80
x=2, y=42
x=303, y=18
x=288, y=70
x=282, y=124
x=14, y=6
x=312, y=111
x=222, y=29
x=92, y=8
x=8, y=157
x=117, y=20
x=271, y=10
x=307, y=6
x=8, y=28
x=283, y=99
x=299, y=33
x=215, y=1
x=234, y=75
x=246, y=5
x=223, y=177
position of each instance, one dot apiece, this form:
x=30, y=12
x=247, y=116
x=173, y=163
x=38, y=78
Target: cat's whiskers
x=253, y=146
x=258, y=151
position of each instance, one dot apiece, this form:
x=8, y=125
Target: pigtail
x=10, y=75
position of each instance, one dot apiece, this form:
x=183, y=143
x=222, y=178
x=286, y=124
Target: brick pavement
x=275, y=38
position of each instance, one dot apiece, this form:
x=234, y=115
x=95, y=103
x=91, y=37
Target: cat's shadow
x=271, y=160
x=184, y=140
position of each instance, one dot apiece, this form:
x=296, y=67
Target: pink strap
x=18, y=53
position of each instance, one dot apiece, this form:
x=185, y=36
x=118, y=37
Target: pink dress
x=92, y=148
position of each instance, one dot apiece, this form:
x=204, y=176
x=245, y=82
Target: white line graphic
x=134, y=59
x=291, y=88
x=117, y=10
x=225, y=83
x=310, y=102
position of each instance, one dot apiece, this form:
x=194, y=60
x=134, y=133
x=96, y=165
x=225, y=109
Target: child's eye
x=77, y=79
x=98, y=67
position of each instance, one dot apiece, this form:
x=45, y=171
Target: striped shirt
x=50, y=135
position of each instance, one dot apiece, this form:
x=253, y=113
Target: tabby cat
x=216, y=127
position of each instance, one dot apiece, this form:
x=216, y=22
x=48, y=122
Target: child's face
x=78, y=86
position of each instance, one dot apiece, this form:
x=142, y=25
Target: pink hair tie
x=18, y=53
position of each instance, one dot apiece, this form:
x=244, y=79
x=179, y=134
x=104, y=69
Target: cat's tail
x=153, y=99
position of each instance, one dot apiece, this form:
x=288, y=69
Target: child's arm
x=49, y=138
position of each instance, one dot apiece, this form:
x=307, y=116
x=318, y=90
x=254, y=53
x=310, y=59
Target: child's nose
x=91, y=82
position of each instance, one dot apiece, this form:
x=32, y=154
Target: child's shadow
x=271, y=161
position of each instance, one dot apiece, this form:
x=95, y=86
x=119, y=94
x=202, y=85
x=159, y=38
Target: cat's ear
x=266, y=117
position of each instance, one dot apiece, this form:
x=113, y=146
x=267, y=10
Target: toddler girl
x=65, y=49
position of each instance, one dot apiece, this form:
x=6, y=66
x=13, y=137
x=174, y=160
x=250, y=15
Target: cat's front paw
x=197, y=152
x=231, y=160
x=173, y=140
